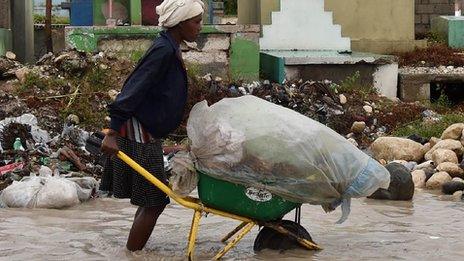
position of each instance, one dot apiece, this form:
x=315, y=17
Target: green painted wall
x=272, y=68
x=243, y=53
x=449, y=29
x=5, y=40
x=244, y=59
x=136, y=12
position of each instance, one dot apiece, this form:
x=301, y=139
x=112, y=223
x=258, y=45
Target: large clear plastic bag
x=184, y=178
x=253, y=142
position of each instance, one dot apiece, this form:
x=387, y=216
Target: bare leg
x=144, y=222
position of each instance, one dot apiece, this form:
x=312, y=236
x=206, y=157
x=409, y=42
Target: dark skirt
x=124, y=182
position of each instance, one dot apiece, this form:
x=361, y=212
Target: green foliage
x=442, y=102
x=135, y=56
x=34, y=80
x=435, y=38
x=230, y=7
x=428, y=129
x=353, y=84
x=40, y=19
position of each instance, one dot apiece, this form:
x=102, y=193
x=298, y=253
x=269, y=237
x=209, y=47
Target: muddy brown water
x=428, y=228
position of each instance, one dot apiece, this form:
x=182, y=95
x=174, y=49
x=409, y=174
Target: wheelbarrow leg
x=246, y=229
x=233, y=232
x=193, y=234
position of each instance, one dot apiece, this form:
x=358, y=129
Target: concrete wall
x=5, y=40
x=378, y=26
x=40, y=47
x=428, y=9
x=5, y=14
x=286, y=31
x=22, y=26
x=229, y=51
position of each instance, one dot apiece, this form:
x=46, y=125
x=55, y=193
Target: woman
x=150, y=106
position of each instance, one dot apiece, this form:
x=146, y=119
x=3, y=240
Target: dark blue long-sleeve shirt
x=156, y=91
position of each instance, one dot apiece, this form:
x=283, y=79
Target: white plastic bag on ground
x=184, y=177
x=57, y=193
x=22, y=194
x=253, y=142
x=48, y=192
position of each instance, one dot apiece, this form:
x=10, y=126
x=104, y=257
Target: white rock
x=437, y=180
x=419, y=177
x=358, y=126
x=393, y=148
x=103, y=66
x=343, y=99
x=22, y=73
x=10, y=55
x=218, y=79
x=73, y=119
x=353, y=141
x=113, y=94
x=427, y=147
x=368, y=109
x=451, y=168
x=425, y=165
x=350, y=135
x=442, y=155
x=458, y=179
x=448, y=144
x=453, y=132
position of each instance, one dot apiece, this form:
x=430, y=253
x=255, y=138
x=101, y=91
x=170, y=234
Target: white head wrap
x=172, y=12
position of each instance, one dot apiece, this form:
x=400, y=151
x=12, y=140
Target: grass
x=40, y=19
x=428, y=130
x=352, y=84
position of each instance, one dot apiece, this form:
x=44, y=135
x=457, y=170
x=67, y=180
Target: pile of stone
x=436, y=165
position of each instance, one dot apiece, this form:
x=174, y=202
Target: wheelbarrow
x=250, y=206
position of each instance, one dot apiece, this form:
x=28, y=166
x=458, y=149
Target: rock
x=401, y=184
x=458, y=180
x=418, y=139
x=437, y=180
x=383, y=162
x=368, y=109
x=218, y=79
x=410, y=165
x=426, y=148
x=450, y=187
x=402, y=162
x=208, y=77
x=442, y=155
x=22, y=73
x=448, y=144
x=453, y=132
x=113, y=94
x=343, y=99
x=419, y=178
x=73, y=119
x=392, y=148
x=358, y=127
x=458, y=194
x=427, y=164
x=353, y=141
x=462, y=138
x=451, y=168
x=103, y=66
x=10, y=55
x=429, y=173
x=433, y=141
x=350, y=135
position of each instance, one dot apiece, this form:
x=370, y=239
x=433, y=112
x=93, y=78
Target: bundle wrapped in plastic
x=253, y=142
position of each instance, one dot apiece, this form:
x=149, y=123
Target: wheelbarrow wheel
x=268, y=238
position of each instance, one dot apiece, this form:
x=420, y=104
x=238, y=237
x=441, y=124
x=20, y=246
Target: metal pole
x=48, y=26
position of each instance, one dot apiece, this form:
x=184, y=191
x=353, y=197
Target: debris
x=358, y=127
x=343, y=99
x=11, y=167
x=10, y=55
x=66, y=153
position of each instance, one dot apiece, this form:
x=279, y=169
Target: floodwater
x=428, y=228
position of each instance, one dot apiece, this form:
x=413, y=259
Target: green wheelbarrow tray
x=257, y=204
